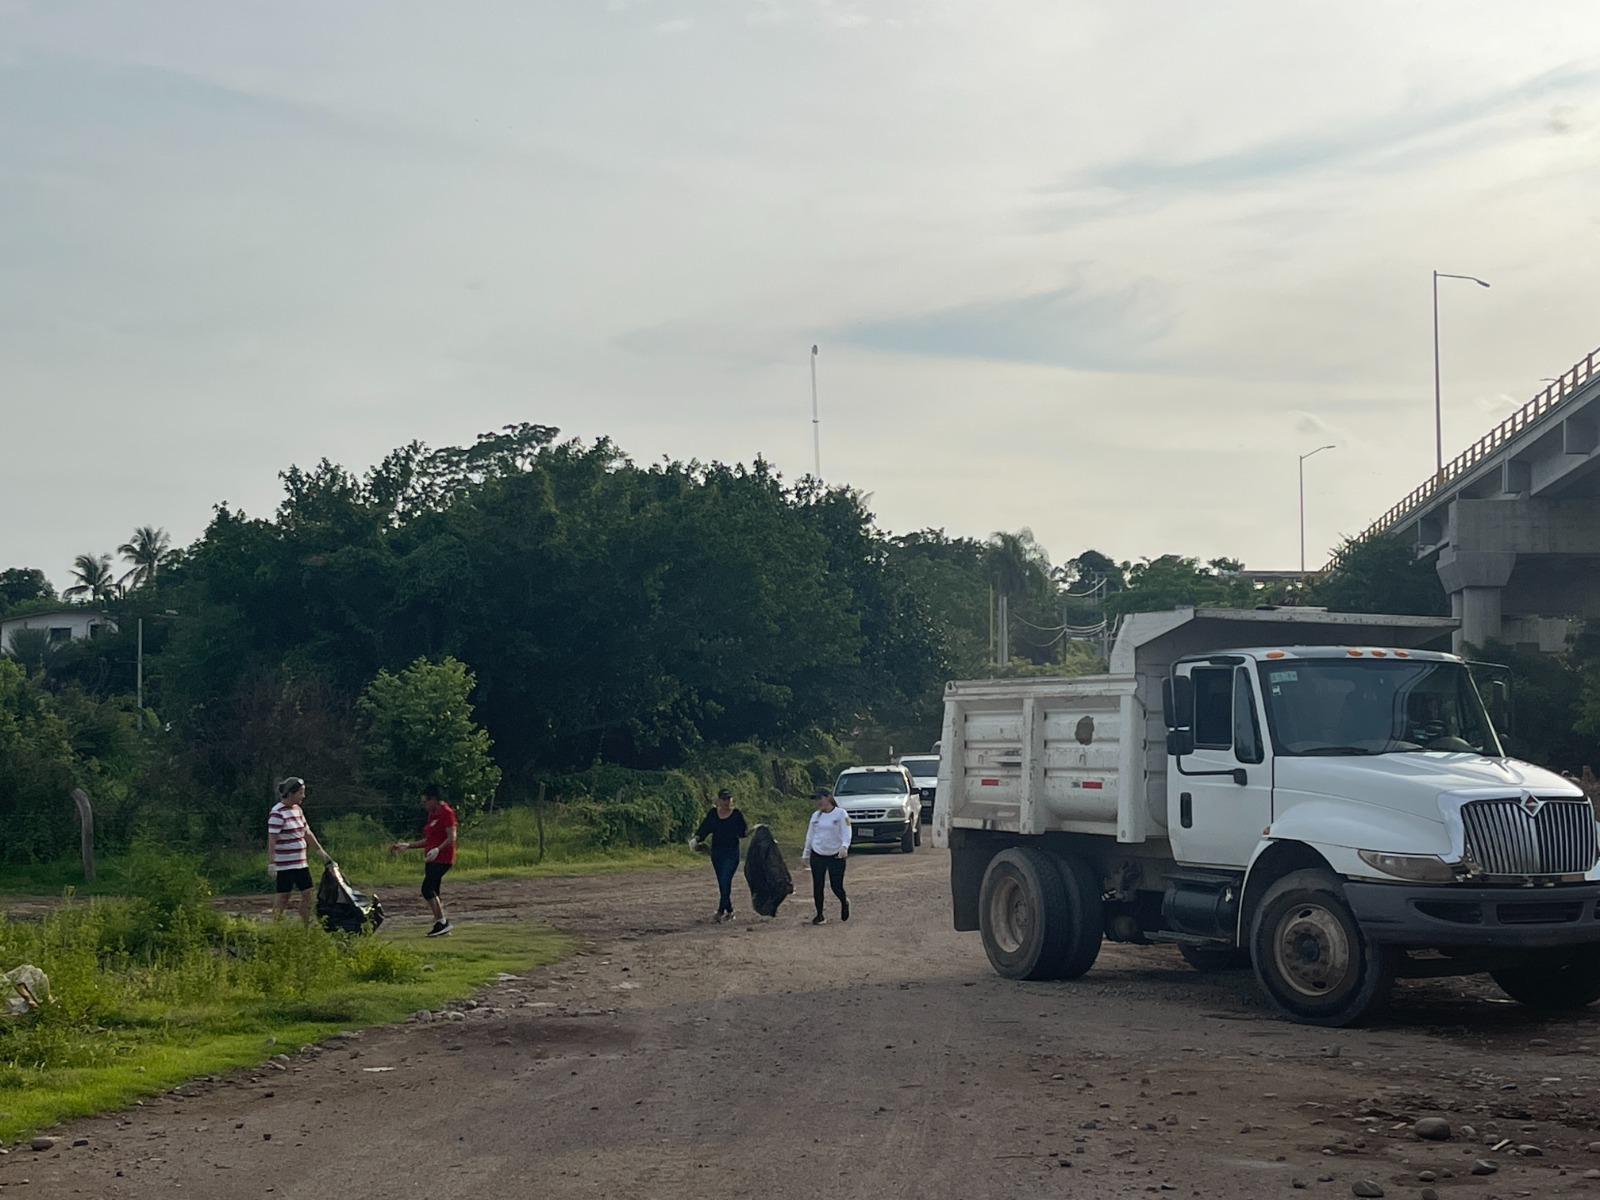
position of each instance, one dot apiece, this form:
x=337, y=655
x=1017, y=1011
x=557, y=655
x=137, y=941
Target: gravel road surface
x=879, y=1058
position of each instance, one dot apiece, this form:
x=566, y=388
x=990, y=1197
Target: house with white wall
x=73, y=624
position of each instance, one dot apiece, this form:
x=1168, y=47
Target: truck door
x=1213, y=818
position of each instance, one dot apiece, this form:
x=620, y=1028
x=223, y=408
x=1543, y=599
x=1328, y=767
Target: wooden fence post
x=538, y=816
x=85, y=832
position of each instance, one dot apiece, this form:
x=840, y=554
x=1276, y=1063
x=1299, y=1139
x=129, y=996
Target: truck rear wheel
x=1040, y=916
x=1023, y=914
x=1310, y=955
x=1554, y=981
x=1086, y=908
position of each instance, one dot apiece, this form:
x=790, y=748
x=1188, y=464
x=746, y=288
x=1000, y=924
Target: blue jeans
x=726, y=864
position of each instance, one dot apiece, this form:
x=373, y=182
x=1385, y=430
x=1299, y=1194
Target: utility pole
x=139, y=668
x=816, y=423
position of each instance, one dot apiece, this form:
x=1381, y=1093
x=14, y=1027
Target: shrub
x=370, y=960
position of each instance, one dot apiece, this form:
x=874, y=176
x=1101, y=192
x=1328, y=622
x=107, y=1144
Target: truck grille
x=1504, y=839
x=866, y=814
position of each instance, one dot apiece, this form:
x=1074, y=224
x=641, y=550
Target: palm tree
x=93, y=575
x=1017, y=566
x=31, y=648
x=149, y=550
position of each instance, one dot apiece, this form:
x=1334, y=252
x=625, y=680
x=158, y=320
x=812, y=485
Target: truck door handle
x=1186, y=810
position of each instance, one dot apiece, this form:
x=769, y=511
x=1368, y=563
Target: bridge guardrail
x=1530, y=414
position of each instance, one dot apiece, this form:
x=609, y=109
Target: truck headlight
x=1419, y=868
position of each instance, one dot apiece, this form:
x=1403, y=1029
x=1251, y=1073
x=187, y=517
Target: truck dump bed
x=1088, y=755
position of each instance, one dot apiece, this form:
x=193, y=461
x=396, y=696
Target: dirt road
x=877, y=1058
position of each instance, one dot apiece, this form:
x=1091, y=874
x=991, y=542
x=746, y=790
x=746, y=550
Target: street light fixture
x=1303, y=457
x=1438, y=411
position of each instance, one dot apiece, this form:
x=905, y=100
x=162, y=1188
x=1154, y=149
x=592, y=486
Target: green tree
x=418, y=728
x=1382, y=575
x=149, y=550
x=18, y=585
x=31, y=649
x=1173, y=581
x=94, y=578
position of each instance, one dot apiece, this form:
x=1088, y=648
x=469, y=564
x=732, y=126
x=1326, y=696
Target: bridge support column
x=1479, y=611
x=1475, y=581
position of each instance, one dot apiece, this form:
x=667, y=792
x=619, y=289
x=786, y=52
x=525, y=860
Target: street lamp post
x=1438, y=410
x=1303, y=457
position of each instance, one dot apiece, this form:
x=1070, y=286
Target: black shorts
x=293, y=879
x=432, y=873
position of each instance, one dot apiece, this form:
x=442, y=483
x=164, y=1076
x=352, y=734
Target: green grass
x=503, y=845
x=132, y=1028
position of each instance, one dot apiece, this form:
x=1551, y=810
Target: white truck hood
x=1422, y=785
x=872, y=802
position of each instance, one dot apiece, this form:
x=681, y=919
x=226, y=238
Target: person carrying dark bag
x=725, y=826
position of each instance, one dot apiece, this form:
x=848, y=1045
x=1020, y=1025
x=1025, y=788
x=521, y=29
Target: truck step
x=1185, y=939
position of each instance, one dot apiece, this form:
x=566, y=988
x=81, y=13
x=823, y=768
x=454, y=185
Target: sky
x=1102, y=270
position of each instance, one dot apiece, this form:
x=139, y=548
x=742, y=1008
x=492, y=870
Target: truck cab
x=1338, y=814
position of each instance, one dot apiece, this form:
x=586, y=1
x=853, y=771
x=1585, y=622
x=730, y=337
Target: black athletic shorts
x=294, y=879
x=432, y=873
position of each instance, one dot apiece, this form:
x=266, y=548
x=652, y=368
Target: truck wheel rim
x=1312, y=951
x=1010, y=916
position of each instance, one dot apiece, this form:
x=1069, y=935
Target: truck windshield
x=922, y=768
x=870, y=783
x=1338, y=706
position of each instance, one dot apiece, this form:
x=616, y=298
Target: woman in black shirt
x=725, y=825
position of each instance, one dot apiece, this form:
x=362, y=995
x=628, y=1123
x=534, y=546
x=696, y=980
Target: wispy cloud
x=1075, y=326
x=1267, y=162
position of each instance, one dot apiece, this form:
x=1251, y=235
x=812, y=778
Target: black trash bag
x=766, y=873
x=341, y=908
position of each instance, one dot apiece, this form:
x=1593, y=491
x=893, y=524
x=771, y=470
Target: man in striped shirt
x=288, y=833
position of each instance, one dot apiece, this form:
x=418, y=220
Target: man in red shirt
x=438, y=846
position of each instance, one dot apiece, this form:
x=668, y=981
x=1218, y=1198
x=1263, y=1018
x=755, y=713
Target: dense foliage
x=528, y=611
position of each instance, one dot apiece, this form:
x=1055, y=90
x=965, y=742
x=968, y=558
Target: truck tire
x=1086, y=917
x=1311, y=957
x=1215, y=958
x=1023, y=914
x=1555, y=981
x=908, y=840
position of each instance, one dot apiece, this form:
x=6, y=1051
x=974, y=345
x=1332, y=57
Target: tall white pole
x=139, y=669
x=816, y=423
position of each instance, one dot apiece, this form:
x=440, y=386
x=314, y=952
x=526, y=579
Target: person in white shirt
x=827, y=847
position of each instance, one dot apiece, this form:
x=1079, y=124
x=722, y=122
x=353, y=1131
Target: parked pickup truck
x=1313, y=792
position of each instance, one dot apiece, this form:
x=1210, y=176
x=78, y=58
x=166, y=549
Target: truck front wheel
x=1554, y=981
x=1310, y=955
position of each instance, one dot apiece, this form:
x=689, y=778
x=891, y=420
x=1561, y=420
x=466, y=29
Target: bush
x=170, y=907
x=372, y=961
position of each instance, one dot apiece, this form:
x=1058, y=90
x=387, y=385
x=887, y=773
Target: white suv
x=883, y=806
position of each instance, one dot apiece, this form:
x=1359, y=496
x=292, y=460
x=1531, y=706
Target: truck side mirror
x=1177, y=702
x=1180, y=742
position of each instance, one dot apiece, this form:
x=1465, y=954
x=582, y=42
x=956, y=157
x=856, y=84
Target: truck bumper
x=1423, y=918
x=865, y=833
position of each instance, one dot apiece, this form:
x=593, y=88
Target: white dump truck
x=1315, y=794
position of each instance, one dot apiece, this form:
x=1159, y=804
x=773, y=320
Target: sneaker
x=717, y=919
x=819, y=919
x=440, y=929
x=844, y=910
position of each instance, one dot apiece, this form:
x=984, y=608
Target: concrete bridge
x=1515, y=519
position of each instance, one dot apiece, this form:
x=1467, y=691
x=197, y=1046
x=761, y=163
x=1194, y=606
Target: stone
x=44, y=1143
x=1530, y=1151
x=1594, y=1147
x=1432, y=1129
x=1298, y=1184
x=1430, y=1194
x=1484, y=1167
x=1426, y=1177
x=1365, y=1187
x=77, y=1142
